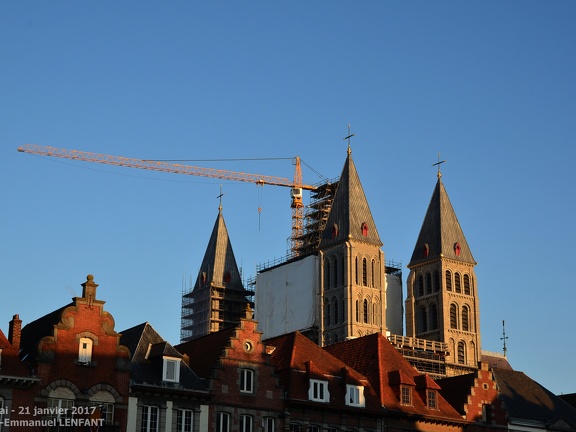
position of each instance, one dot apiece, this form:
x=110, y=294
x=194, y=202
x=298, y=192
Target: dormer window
x=85, y=351
x=354, y=395
x=364, y=229
x=405, y=395
x=318, y=391
x=171, y=369
x=432, y=399
x=457, y=249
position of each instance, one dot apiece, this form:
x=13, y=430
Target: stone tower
x=218, y=299
x=352, y=269
x=442, y=303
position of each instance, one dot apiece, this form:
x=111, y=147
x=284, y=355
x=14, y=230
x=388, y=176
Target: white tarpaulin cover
x=286, y=297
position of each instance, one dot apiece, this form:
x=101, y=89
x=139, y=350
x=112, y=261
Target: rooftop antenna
x=503, y=338
x=220, y=198
x=438, y=164
x=348, y=138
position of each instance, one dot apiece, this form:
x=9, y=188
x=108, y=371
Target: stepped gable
x=208, y=349
x=387, y=369
x=441, y=234
x=525, y=399
x=294, y=354
x=147, y=348
x=350, y=216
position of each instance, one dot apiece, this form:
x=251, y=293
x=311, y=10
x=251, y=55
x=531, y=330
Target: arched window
x=448, y=280
x=61, y=402
x=342, y=267
x=457, y=282
x=420, y=285
x=465, y=318
x=436, y=281
x=335, y=310
x=357, y=311
x=372, y=275
x=85, y=351
x=341, y=304
x=461, y=352
x=365, y=311
x=364, y=272
x=374, y=314
x=428, y=283
x=453, y=316
x=423, y=320
x=335, y=265
x=327, y=273
x=335, y=337
x=467, y=284
x=434, y=316
x=104, y=401
x=356, y=269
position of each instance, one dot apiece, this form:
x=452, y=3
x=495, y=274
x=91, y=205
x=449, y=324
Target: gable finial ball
x=90, y=278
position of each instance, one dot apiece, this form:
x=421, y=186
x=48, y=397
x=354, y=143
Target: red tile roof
x=384, y=366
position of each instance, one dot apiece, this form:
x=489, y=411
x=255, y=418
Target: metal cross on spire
x=438, y=164
x=220, y=198
x=348, y=138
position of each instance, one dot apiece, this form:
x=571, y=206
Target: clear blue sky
x=489, y=85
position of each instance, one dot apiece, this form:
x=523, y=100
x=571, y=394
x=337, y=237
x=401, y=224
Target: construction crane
x=296, y=186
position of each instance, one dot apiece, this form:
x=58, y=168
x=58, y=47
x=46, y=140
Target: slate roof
x=297, y=359
x=207, y=349
x=526, y=400
x=496, y=361
x=219, y=260
x=33, y=332
x=350, y=210
x=385, y=368
x=147, y=348
x=440, y=232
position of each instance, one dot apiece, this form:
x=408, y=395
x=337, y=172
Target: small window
x=171, y=370
x=354, y=395
x=85, y=351
x=453, y=316
x=487, y=413
x=149, y=419
x=465, y=318
x=467, y=284
x=364, y=229
x=246, y=380
x=245, y=423
x=420, y=286
x=184, y=420
x=405, y=395
x=222, y=422
x=428, y=283
x=457, y=283
x=432, y=400
x=365, y=312
x=461, y=352
x=318, y=391
x=269, y=424
x=448, y=280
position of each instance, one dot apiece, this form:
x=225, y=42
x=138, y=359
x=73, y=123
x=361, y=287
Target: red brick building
x=245, y=394
x=83, y=370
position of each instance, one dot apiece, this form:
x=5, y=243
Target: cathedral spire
x=441, y=234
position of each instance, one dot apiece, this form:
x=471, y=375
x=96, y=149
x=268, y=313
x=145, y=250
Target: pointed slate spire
x=350, y=216
x=219, y=264
x=441, y=235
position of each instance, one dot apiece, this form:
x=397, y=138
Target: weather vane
x=438, y=164
x=503, y=338
x=348, y=138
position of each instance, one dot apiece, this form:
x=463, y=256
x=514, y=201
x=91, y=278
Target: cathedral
x=340, y=286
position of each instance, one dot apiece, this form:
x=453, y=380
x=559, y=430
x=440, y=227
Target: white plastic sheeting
x=394, y=305
x=286, y=297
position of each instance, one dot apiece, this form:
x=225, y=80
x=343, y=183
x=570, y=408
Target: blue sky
x=489, y=85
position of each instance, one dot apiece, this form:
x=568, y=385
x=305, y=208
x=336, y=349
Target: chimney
x=15, y=332
x=89, y=289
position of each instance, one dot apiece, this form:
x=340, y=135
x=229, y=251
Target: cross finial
x=438, y=164
x=348, y=138
x=220, y=198
x=503, y=338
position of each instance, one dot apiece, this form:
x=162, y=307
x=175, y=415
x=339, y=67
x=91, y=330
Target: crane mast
x=296, y=186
